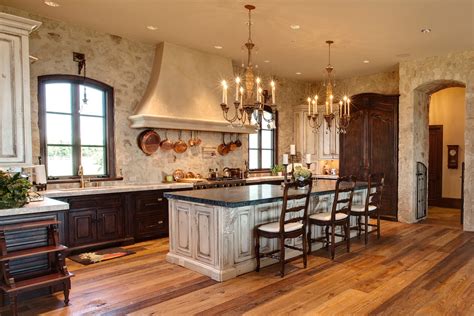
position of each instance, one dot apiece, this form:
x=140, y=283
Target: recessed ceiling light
x=298, y=73
x=366, y=61
x=294, y=26
x=266, y=61
x=52, y=3
x=152, y=27
x=218, y=47
x=426, y=31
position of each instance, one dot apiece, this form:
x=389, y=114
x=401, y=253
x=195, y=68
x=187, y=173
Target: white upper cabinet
x=328, y=142
x=323, y=145
x=15, y=116
x=305, y=139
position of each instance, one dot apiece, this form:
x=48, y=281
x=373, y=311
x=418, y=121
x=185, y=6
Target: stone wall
x=419, y=79
x=126, y=65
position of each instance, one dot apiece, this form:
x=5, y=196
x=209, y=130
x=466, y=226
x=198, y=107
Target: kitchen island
x=211, y=231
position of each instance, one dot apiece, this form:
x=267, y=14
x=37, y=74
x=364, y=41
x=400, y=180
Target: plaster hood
x=184, y=92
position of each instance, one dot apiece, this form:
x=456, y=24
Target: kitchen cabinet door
x=82, y=227
x=328, y=141
x=204, y=234
x=15, y=117
x=109, y=224
x=306, y=139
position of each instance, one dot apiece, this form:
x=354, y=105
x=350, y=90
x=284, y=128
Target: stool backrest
x=374, y=190
x=305, y=194
x=343, y=197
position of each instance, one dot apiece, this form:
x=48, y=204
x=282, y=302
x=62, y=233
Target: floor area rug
x=87, y=258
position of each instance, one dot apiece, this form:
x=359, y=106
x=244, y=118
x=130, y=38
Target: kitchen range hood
x=184, y=92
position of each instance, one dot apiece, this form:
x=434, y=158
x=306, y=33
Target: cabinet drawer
x=151, y=226
x=106, y=200
x=151, y=204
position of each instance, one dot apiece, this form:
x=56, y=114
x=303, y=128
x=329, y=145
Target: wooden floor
x=444, y=216
x=425, y=269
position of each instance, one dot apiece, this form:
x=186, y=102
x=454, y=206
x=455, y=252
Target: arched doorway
x=434, y=153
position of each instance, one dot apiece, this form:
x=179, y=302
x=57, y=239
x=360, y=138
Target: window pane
x=253, y=159
x=95, y=101
x=267, y=159
x=253, y=140
x=92, y=130
x=58, y=97
x=58, y=129
x=59, y=161
x=93, y=160
x=267, y=139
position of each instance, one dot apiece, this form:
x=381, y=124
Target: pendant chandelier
x=337, y=112
x=250, y=98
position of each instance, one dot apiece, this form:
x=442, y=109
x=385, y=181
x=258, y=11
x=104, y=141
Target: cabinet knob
x=160, y=222
x=159, y=199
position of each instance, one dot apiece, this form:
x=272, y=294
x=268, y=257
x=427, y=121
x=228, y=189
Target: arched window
x=76, y=120
x=263, y=144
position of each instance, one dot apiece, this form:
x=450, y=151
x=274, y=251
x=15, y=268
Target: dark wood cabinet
x=371, y=144
x=96, y=219
x=82, y=227
x=151, y=215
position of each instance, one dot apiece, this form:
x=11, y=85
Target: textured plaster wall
x=418, y=79
x=126, y=65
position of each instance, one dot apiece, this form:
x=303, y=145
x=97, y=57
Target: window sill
x=77, y=180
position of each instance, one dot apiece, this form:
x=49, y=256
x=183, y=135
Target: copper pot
x=180, y=146
x=166, y=144
x=149, y=141
x=223, y=149
x=238, y=142
x=232, y=144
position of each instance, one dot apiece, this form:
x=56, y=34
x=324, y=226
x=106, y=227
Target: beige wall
x=126, y=65
x=447, y=109
x=418, y=79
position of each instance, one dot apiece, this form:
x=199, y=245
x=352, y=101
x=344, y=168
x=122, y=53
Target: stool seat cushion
x=275, y=227
x=361, y=208
x=327, y=216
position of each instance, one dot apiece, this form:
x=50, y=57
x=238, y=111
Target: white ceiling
x=382, y=31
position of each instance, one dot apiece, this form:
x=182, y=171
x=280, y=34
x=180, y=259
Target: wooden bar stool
x=339, y=216
x=292, y=227
x=371, y=207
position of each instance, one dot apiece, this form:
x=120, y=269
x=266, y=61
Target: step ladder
x=57, y=273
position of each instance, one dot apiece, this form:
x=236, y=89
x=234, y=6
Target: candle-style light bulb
x=241, y=95
x=348, y=107
x=257, y=87
x=341, y=109
x=237, y=86
x=273, y=92
x=316, y=99
x=224, y=91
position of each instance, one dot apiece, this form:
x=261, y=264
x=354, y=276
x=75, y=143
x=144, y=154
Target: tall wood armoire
x=371, y=144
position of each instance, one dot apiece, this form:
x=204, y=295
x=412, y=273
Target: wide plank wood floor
x=425, y=269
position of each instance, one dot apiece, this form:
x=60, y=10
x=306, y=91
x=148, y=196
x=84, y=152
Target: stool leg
x=282, y=257
x=378, y=224
x=348, y=236
x=305, y=251
x=327, y=237
x=309, y=238
x=366, y=220
x=257, y=250
x=13, y=304
x=359, y=232
x=333, y=241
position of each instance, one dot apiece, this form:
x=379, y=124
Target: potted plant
x=300, y=174
x=277, y=170
x=13, y=190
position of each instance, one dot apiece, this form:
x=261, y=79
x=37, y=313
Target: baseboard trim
x=447, y=202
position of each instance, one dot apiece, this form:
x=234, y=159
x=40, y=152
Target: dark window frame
x=110, y=167
x=275, y=145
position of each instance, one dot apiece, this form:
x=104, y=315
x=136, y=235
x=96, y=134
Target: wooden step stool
x=57, y=274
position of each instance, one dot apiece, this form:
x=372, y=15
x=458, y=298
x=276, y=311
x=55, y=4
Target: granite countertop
x=264, y=178
x=249, y=195
x=47, y=205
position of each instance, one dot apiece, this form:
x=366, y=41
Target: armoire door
x=371, y=145
x=383, y=149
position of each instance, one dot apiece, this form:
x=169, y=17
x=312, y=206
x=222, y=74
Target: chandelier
x=250, y=98
x=340, y=113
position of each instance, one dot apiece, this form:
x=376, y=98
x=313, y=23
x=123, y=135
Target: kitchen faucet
x=80, y=172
